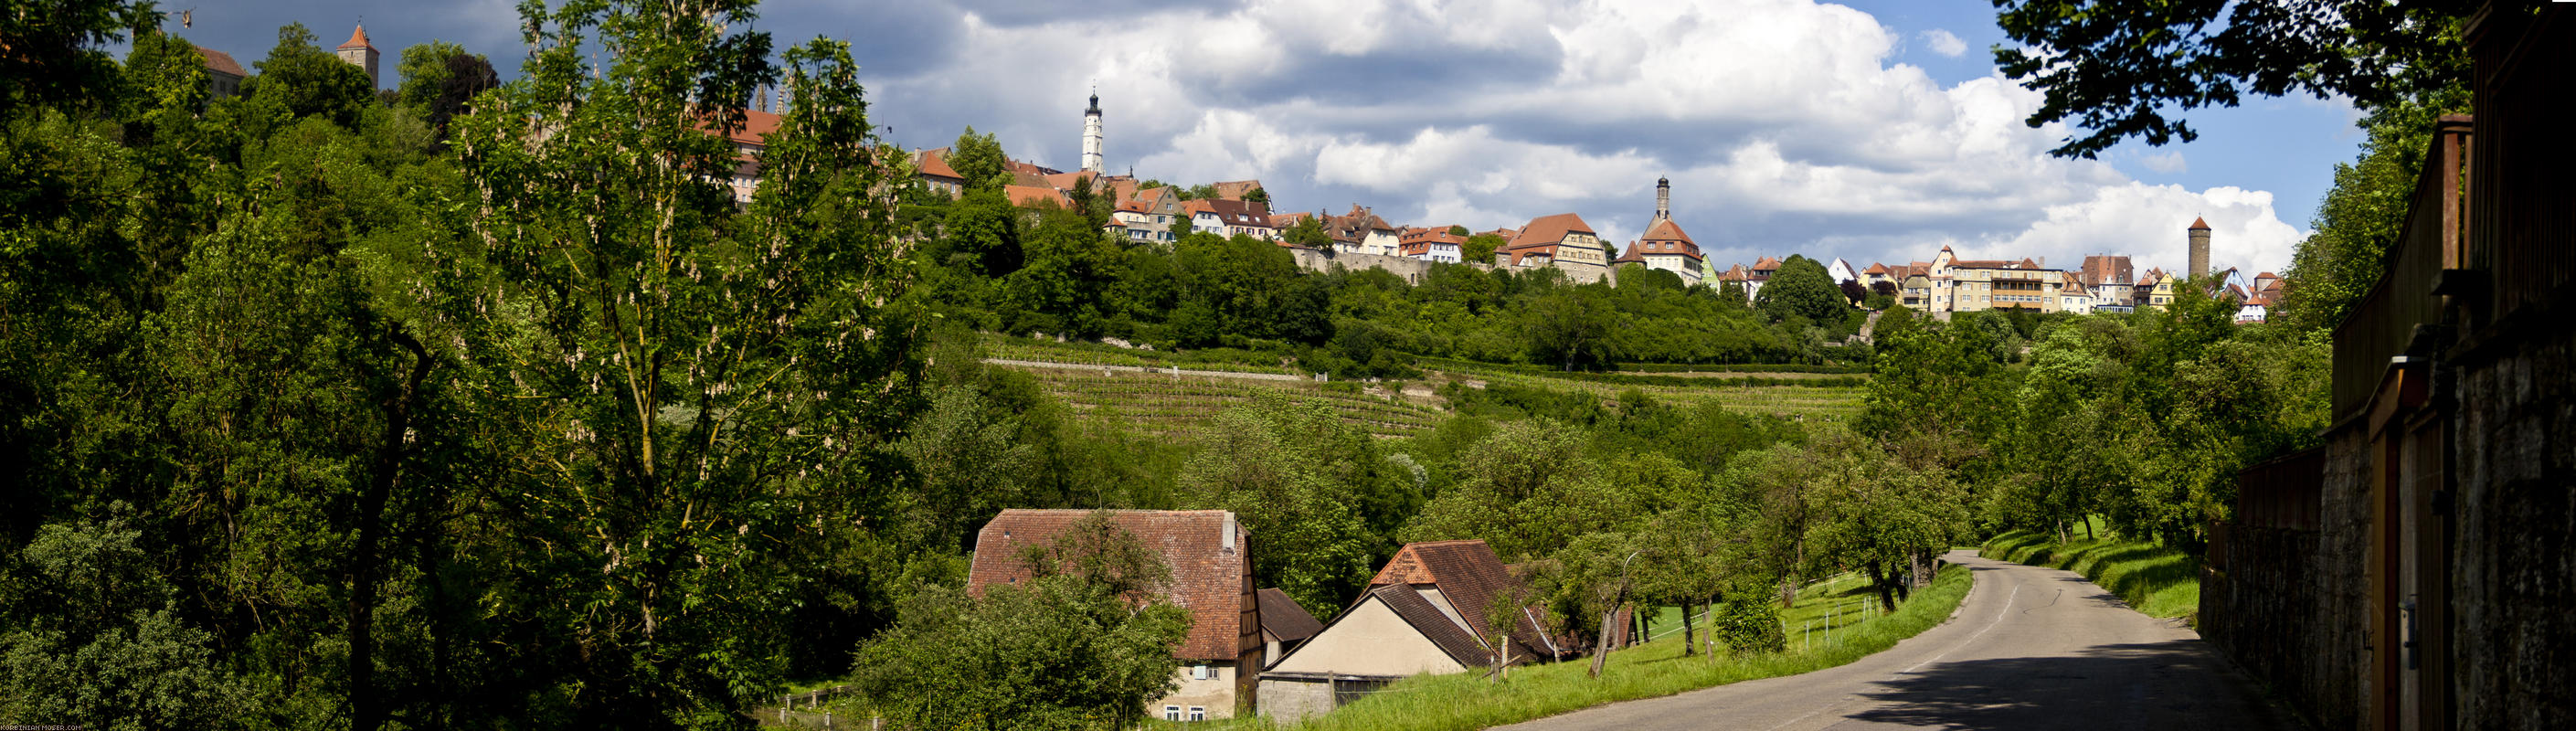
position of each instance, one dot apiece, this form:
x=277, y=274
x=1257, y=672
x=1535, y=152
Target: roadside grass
x=2155, y=580
x=1464, y=701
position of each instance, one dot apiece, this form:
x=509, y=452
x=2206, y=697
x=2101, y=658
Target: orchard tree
x=1801, y=288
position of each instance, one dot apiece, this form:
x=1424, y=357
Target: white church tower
x=1091, y=136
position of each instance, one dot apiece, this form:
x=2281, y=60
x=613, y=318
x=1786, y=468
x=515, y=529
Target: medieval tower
x=1091, y=136
x=1663, y=199
x=362, y=54
x=2199, y=248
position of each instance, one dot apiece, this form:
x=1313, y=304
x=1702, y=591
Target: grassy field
x=2155, y=580
x=1465, y=701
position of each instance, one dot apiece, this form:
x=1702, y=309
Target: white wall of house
x=1369, y=640
x=1212, y=695
x=1381, y=242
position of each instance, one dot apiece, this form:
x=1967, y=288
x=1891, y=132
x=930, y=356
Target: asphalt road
x=2030, y=648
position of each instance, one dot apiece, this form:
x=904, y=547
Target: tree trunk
x=2088, y=529
x=1601, y=649
x=1878, y=579
x=366, y=709
x=1690, y=637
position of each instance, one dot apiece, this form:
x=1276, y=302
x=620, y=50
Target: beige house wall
x=1370, y=640
x=1216, y=693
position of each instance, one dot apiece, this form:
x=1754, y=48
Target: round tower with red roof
x=2199, y=248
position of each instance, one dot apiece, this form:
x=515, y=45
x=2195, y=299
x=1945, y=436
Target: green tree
x=305, y=80
x=57, y=51
x=1480, y=248
x=1877, y=513
x=692, y=397
x=441, y=79
x=1308, y=232
x=2362, y=215
x=1296, y=474
x=2119, y=69
x=1082, y=645
x=1801, y=288
x=979, y=159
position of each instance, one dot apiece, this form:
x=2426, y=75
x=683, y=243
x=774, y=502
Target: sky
x=1873, y=131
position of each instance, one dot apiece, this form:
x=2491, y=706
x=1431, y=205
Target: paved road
x=2030, y=648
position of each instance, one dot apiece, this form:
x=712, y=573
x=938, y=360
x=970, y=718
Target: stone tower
x=1091, y=135
x=2199, y=248
x=1663, y=199
x=362, y=54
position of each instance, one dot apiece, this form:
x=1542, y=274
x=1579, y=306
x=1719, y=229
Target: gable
x=1372, y=639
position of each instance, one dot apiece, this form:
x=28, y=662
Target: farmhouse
x=1211, y=577
x=1425, y=612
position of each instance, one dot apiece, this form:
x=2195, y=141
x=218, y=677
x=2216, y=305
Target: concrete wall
x=1369, y=640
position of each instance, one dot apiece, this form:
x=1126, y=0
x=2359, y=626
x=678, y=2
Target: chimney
x=2199, y=248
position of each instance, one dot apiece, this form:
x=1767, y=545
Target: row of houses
x=1250, y=650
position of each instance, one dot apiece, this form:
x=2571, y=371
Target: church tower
x=1663, y=199
x=1091, y=136
x=362, y=54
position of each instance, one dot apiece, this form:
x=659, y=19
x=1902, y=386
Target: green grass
x=1462, y=701
x=1832, y=398
x=1165, y=406
x=2155, y=580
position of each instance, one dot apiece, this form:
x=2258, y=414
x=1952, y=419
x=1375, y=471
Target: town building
x=1426, y=611
x=1361, y=231
x=223, y=74
x=1225, y=217
x=1143, y=221
x=1432, y=244
x=1665, y=246
x=1209, y=555
x=2113, y=282
x=1562, y=242
x=1091, y=139
x=360, y=52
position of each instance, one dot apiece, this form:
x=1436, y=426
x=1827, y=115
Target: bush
x=1749, y=627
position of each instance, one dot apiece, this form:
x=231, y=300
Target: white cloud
x=2167, y=162
x=1944, y=42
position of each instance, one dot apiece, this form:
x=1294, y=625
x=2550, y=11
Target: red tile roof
x=1766, y=264
x=1209, y=578
x=1453, y=640
x=221, y=62
x=2199, y=225
x=1033, y=196
x=1468, y=574
x=358, y=39
x=1548, y=231
x=1235, y=189
x=934, y=163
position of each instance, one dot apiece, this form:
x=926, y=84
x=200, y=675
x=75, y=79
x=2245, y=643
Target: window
x=1202, y=672
x=1198, y=713
x=1171, y=713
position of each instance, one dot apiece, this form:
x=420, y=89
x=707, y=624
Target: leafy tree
x=1257, y=195
x=1066, y=283
x=305, y=80
x=56, y=50
x=441, y=79
x=2362, y=215
x=1480, y=247
x=972, y=465
x=1570, y=330
x=1801, y=288
x=1296, y=474
x=1875, y=512
x=1308, y=232
x=979, y=160
x=1082, y=645
x=93, y=632
x=2119, y=69
x=698, y=393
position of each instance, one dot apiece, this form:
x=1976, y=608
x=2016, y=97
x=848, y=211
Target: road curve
x=2030, y=648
